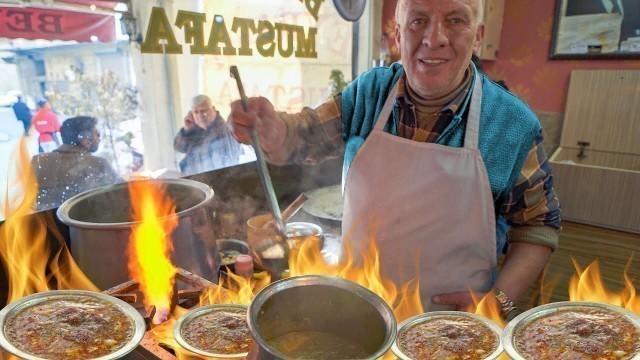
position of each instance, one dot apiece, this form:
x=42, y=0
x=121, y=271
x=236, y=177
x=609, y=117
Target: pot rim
x=420, y=318
x=63, y=210
x=532, y=314
x=30, y=300
x=200, y=311
x=310, y=280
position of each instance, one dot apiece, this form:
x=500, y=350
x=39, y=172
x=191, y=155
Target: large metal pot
x=100, y=225
x=17, y=306
x=320, y=304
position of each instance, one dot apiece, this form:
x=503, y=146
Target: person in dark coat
x=23, y=114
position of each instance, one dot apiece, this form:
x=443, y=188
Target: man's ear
x=479, y=37
x=397, y=37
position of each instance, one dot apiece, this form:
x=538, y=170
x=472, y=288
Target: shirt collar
x=453, y=106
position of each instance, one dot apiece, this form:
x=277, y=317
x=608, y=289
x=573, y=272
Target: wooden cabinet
x=597, y=166
x=493, y=13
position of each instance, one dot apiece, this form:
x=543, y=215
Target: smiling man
x=435, y=153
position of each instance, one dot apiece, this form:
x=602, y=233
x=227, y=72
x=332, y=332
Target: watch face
x=350, y=10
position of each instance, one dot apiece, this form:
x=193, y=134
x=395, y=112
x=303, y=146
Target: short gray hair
x=199, y=99
x=480, y=10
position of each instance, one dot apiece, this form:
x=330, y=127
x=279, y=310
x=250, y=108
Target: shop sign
x=39, y=23
x=288, y=39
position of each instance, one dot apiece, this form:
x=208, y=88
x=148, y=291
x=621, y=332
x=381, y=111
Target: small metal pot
x=231, y=244
x=317, y=303
x=194, y=314
x=100, y=226
x=32, y=300
x=522, y=320
x=418, y=319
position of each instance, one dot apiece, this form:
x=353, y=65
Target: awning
x=52, y=24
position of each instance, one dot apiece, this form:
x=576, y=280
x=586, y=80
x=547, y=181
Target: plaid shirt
x=531, y=208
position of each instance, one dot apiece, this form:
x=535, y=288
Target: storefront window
x=132, y=73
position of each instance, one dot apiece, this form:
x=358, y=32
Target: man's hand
x=462, y=300
x=189, y=122
x=261, y=116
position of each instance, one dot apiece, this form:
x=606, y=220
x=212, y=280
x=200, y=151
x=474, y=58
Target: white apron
x=425, y=203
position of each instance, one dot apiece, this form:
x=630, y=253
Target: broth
x=318, y=345
x=219, y=332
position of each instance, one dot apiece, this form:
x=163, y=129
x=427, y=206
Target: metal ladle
x=262, y=165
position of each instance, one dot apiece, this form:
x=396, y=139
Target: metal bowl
x=231, y=244
x=508, y=335
x=419, y=319
x=192, y=315
x=318, y=303
x=31, y=300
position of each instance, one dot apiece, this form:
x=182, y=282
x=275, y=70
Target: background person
x=435, y=152
x=48, y=125
x=205, y=139
x=71, y=169
x=23, y=114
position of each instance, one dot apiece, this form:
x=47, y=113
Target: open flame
x=150, y=246
x=405, y=302
x=25, y=248
x=587, y=285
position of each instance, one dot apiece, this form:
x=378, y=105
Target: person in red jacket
x=48, y=125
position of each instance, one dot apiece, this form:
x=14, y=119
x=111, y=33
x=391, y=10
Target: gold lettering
x=246, y=26
x=306, y=47
x=314, y=7
x=193, y=24
x=219, y=35
x=281, y=29
x=160, y=29
x=265, y=39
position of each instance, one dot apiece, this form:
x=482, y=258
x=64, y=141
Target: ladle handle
x=262, y=164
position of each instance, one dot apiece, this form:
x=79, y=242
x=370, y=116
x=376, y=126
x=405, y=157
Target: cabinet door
x=493, y=13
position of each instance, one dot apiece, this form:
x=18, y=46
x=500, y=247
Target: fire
x=233, y=289
x=150, y=246
x=587, y=285
x=27, y=253
x=405, y=301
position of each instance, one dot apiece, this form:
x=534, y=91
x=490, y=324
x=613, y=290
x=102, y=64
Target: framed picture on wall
x=596, y=29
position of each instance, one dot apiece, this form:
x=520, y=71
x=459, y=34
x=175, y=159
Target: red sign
x=49, y=24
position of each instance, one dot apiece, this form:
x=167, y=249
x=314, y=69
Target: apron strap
x=387, y=108
x=473, y=119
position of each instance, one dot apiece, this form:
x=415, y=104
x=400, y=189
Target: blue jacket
x=508, y=127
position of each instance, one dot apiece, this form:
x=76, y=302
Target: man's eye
x=455, y=20
x=417, y=21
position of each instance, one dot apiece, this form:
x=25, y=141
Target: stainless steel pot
x=33, y=300
x=100, y=225
x=322, y=304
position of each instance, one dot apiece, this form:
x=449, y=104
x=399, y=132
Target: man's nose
x=434, y=35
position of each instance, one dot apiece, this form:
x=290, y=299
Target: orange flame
x=587, y=285
x=28, y=256
x=405, y=301
x=233, y=289
x=150, y=246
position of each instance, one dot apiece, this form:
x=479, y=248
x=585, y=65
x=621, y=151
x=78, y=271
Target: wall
x=523, y=61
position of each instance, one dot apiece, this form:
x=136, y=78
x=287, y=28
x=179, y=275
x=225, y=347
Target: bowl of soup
x=574, y=330
x=448, y=335
x=70, y=324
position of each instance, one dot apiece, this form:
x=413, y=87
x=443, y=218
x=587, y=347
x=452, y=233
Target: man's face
x=436, y=39
x=92, y=144
x=203, y=114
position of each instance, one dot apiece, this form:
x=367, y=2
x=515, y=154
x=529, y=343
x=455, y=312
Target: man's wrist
x=506, y=305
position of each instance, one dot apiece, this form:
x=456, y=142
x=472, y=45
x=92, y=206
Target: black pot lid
x=350, y=10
